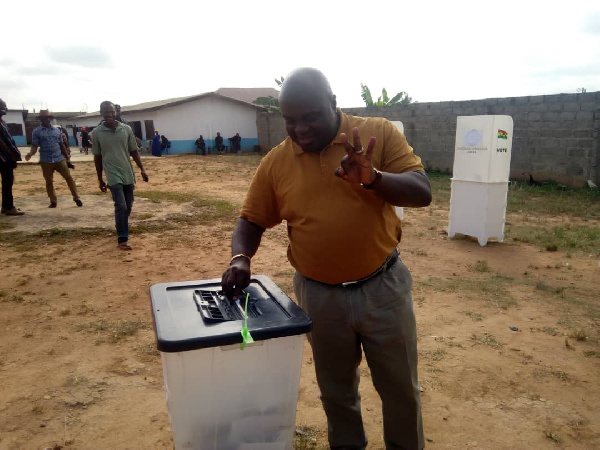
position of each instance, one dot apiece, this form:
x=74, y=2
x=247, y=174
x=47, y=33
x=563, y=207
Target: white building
x=182, y=120
x=15, y=120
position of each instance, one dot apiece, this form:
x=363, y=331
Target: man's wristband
x=376, y=181
x=239, y=255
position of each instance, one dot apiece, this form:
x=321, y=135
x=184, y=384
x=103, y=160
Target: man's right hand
x=102, y=185
x=27, y=156
x=236, y=278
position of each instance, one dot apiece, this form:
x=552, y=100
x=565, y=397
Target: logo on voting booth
x=473, y=138
x=502, y=134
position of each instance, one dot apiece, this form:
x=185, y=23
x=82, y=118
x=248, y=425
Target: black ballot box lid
x=191, y=315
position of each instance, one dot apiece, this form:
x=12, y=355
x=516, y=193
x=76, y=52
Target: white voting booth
x=399, y=209
x=480, y=177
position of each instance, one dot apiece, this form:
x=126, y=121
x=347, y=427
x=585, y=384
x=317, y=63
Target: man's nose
x=301, y=128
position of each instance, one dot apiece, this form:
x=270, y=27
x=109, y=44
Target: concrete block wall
x=556, y=137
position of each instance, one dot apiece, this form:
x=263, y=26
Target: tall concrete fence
x=556, y=137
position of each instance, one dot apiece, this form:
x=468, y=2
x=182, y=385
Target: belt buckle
x=382, y=268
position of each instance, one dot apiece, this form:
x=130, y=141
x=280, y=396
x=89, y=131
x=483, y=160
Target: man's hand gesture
x=356, y=166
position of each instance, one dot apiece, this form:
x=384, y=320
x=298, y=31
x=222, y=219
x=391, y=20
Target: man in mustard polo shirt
x=112, y=145
x=338, y=201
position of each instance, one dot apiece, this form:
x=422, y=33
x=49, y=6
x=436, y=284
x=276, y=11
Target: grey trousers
x=378, y=316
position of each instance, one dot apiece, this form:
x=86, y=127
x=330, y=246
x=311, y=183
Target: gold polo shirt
x=337, y=231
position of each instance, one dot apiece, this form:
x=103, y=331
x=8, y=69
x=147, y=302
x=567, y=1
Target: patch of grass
x=74, y=380
x=476, y=317
x=440, y=187
x=122, y=329
x=541, y=286
x=217, y=212
x=551, y=331
x=148, y=349
x=579, y=335
x=160, y=196
x=84, y=309
x=591, y=354
x=544, y=372
x=437, y=355
x=305, y=437
x=480, y=266
x=486, y=339
x=12, y=298
x=492, y=289
x=554, y=199
x=569, y=237
x=214, y=207
x=28, y=243
x=37, y=410
x=113, y=331
x=285, y=273
x=553, y=436
x=144, y=216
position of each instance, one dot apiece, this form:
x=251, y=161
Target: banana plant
x=401, y=98
x=271, y=103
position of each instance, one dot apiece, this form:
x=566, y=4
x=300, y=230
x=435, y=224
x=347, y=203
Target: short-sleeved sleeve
x=261, y=206
x=35, y=138
x=397, y=155
x=131, y=144
x=96, y=147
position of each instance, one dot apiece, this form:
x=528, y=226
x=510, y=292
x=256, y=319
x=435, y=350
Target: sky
x=72, y=55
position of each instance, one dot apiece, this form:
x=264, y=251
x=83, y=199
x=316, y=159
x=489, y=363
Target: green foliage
x=271, y=103
x=401, y=98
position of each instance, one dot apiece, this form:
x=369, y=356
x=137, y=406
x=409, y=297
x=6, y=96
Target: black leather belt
x=389, y=262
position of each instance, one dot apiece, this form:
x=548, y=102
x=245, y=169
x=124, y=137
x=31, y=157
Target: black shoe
x=12, y=212
x=78, y=202
x=52, y=205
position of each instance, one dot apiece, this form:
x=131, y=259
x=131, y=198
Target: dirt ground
x=509, y=334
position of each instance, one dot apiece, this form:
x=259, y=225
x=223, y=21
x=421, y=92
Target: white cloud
x=83, y=56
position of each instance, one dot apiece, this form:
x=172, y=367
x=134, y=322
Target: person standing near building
x=200, y=145
x=86, y=142
x=338, y=201
x=78, y=139
x=53, y=157
x=9, y=155
x=165, y=144
x=236, y=143
x=113, y=147
x=219, y=143
x=156, y=144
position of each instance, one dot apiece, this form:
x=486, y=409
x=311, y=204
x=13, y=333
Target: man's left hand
x=144, y=176
x=356, y=166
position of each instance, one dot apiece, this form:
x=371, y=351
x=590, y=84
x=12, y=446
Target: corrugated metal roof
x=158, y=104
x=248, y=94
